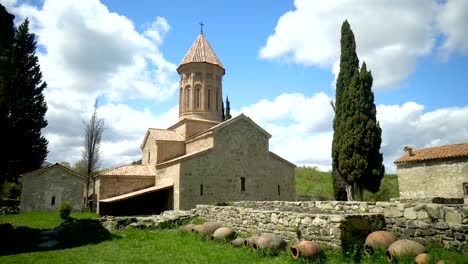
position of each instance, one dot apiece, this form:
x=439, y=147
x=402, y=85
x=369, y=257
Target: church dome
x=201, y=51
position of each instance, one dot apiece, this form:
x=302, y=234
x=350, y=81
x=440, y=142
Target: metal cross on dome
x=201, y=27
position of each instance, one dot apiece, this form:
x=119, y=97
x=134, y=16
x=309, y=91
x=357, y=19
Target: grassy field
x=314, y=184
x=163, y=246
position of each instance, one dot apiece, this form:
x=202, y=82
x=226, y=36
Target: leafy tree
x=92, y=140
x=359, y=159
x=228, y=109
x=22, y=108
x=137, y=162
x=349, y=63
x=65, y=164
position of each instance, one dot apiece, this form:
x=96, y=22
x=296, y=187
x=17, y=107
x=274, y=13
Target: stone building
x=434, y=172
x=46, y=188
x=200, y=159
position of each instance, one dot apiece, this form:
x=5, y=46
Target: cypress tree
x=228, y=109
x=24, y=147
x=223, y=116
x=349, y=63
x=359, y=159
x=7, y=32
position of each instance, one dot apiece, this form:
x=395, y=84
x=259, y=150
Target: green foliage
x=137, y=162
x=388, y=189
x=228, y=109
x=7, y=31
x=22, y=108
x=357, y=134
x=312, y=183
x=349, y=63
x=223, y=115
x=65, y=210
x=11, y=190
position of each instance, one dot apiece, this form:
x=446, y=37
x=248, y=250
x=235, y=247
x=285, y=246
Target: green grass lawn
x=166, y=246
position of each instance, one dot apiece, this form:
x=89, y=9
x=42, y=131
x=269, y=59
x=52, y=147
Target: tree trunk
x=354, y=192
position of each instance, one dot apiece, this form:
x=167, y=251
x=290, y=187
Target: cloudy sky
x=281, y=60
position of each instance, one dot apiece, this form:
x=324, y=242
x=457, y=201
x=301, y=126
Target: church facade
x=201, y=159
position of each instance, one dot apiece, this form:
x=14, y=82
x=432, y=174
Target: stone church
x=200, y=159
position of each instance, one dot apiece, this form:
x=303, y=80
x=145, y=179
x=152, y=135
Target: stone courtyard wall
x=334, y=222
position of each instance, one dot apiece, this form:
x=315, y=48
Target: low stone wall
x=166, y=219
x=334, y=222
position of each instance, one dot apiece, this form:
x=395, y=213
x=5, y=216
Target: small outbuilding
x=46, y=188
x=437, y=172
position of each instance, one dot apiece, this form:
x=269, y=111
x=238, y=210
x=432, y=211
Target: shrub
x=65, y=210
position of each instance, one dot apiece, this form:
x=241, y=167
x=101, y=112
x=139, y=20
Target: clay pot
x=378, y=239
x=250, y=241
x=224, y=233
x=188, y=228
x=422, y=258
x=305, y=249
x=269, y=242
x=207, y=228
x=238, y=242
x=441, y=262
x=404, y=247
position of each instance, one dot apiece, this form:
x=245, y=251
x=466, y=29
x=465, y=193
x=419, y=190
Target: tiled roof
x=201, y=51
x=129, y=170
x=161, y=186
x=165, y=135
x=442, y=152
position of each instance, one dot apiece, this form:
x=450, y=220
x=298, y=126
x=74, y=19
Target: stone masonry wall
x=433, y=179
x=334, y=222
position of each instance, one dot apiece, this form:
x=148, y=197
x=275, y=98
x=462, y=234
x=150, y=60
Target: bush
x=65, y=210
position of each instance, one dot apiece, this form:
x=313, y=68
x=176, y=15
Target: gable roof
x=435, y=153
x=229, y=122
x=56, y=165
x=162, y=135
x=129, y=170
x=201, y=51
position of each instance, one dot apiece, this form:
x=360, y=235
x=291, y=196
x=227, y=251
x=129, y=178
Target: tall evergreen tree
x=23, y=108
x=359, y=157
x=349, y=63
x=7, y=33
x=223, y=116
x=228, y=109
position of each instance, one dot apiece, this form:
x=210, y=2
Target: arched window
x=187, y=98
x=279, y=190
x=242, y=184
x=52, y=201
x=149, y=157
x=201, y=189
x=197, y=98
x=209, y=99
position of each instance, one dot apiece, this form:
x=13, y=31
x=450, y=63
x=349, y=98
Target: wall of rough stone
x=149, y=152
x=199, y=143
x=110, y=186
x=433, y=179
x=333, y=222
x=169, y=150
x=240, y=151
x=39, y=188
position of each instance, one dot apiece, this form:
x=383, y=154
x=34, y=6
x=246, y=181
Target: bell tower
x=201, y=73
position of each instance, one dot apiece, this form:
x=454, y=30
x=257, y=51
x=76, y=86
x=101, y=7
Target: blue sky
x=280, y=59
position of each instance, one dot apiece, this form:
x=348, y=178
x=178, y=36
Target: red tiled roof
x=129, y=170
x=434, y=153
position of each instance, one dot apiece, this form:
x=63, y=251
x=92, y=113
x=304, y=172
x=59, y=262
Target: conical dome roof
x=201, y=51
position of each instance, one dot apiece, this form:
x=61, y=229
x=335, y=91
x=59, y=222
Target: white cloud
x=299, y=136
x=452, y=21
x=86, y=51
x=390, y=34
